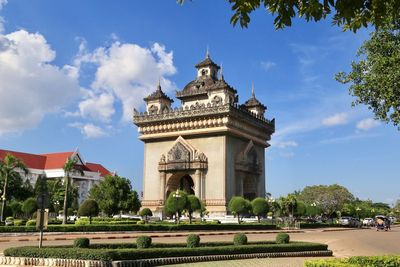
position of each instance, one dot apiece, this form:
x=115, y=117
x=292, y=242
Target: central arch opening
x=181, y=181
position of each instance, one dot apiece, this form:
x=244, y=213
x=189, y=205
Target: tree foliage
x=112, y=194
x=329, y=198
x=70, y=167
x=239, y=206
x=176, y=203
x=134, y=203
x=193, y=205
x=375, y=79
x=29, y=207
x=89, y=208
x=259, y=207
x=10, y=169
x=145, y=213
x=344, y=13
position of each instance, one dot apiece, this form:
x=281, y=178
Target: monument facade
x=209, y=146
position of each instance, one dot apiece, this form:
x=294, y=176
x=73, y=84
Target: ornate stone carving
x=153, y=109
x=162, y=159
x=178, y=153
x=217, y=100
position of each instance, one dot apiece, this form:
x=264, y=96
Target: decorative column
x=197, y=183
x=162, y=185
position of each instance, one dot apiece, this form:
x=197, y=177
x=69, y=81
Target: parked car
x=349, y=221
x=368, y=222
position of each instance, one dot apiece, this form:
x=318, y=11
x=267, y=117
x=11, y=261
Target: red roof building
x=52, y=166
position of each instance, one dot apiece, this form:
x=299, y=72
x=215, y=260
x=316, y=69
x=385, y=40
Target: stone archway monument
x=209, y=146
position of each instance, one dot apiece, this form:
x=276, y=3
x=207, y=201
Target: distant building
x=52, y=166
x=209, y=146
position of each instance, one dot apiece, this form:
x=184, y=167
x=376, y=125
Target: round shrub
x=282, y=238
x=143, y=241
x=193, y=241
x=82, y=242
x=240, y=239
x=140, y=222
x=19, y=222
x=30, y=223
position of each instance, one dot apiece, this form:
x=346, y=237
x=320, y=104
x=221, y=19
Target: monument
x=209, y=146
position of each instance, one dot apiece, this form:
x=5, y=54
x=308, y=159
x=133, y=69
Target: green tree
x=70, y=168
x=90, y=208
x=329, y=198
x=288, y=204
x=145, y=213
x=134, y=202
x=16, y=208
x=347, y=14
x=10, y=168
x=259, y=207
x=176, y=204
x=375, y=79
x=193, y=204
x=56, y=194
x=112, y=194
x=301, y=209
x=29, y=207
x=239, y=206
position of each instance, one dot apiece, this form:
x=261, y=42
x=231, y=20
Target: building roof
x=206, y=62
x=158, y=94
x=253, y=101
x=51, y=161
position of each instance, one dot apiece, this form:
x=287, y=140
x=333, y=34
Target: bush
x=240, y=239
x=193, y=241
x=29, y=206
x=31, y=223
x=328, y=263
x=82, y=242
x=89, y=208
x=19, y=222
x=143, y=241
x=282, y=238
x=161, y=252
x=9, y=218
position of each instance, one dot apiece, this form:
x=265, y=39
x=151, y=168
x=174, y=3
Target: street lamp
x=357, y=210
x=176, y=195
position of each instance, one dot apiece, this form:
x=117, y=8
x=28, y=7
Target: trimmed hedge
x=135, y=254
x=139, y=227
x=193, y=241
x=143, y=241
x=82, y=242
x=359, y=261
x=282, y=238
x=239, y=239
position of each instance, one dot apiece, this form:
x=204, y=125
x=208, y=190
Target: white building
x=52, y=166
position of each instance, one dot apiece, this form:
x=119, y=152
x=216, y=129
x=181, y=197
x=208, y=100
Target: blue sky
x=72, y=71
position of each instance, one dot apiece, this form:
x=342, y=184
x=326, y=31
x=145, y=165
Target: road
x=342, y=243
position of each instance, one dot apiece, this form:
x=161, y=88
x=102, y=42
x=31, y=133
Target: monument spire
x=252, y=90
x=159, y=84
x=221, y=74
x=207, y=53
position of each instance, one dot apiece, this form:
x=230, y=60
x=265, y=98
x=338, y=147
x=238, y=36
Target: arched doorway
x=181, y=181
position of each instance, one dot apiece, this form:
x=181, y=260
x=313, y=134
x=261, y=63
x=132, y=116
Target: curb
x=22, y=261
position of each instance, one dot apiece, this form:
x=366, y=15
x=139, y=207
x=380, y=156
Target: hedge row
x=135, y=254
x=138, y=227
x=359, y=261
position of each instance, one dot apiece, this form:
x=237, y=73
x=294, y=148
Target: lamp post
x=357, y=210
x=176, y=195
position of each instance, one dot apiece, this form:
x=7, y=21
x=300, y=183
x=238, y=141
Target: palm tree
x=70, y=167
x=10, y=168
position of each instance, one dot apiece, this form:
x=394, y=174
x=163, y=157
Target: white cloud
x=336, y=119
x=367, y=124
x=3, y=3
x=267, y=65
x=30, y=86
x=126, y=72
x=347, y=138
x=285, y=144
x=89, y=130
x=99, y=107
x=287, y=154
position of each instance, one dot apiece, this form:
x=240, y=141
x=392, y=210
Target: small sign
x=45, y=219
